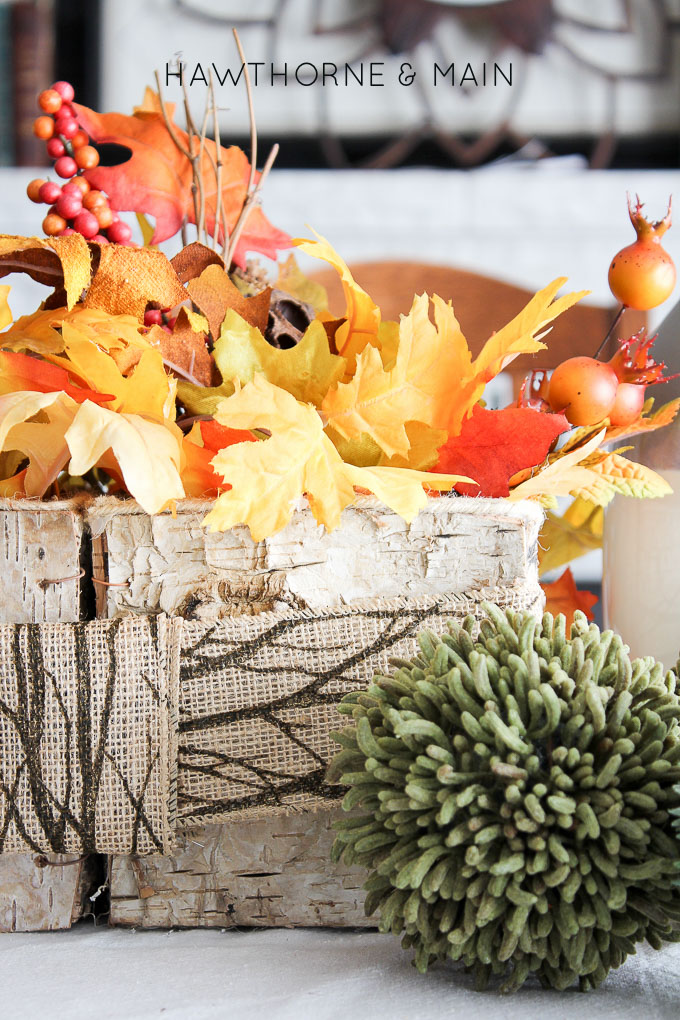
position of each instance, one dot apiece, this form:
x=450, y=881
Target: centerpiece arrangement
x=199, y=426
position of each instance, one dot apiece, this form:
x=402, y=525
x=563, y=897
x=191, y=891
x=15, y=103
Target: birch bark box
x=42, y=547
x=294, y=622
x=271, y=635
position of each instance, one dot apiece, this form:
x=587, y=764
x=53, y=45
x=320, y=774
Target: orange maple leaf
x=493, y=445
x=157, y=177
x=562, y=596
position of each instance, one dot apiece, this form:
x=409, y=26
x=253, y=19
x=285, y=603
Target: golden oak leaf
x=563, y=597
x=560, y=478
x=306, y=370
x=148, y=453
x=5, y=313
x=575, y=533
x=298, y=459
x=61, y=262
x=146, y=390
x=157, y=177
x=362, y=314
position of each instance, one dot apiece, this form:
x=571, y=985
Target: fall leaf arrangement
x=167, y=378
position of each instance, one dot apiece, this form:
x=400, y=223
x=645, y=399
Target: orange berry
x=53, y=224
x=93, y=199
x=79, y=139
x=104, y=216
x=82, y=183
x=49, y=101
x=86, y=157
x=33, y=189
x=43, y=127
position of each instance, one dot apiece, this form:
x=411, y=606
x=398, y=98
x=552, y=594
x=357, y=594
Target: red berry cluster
x=75, y=208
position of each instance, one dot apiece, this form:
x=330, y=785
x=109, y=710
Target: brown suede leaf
x=214, y=294
x=185, y=352
x=60, y=262
x=193, y=259
x=128, y=279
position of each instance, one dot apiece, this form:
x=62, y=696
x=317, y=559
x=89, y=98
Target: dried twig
x=248, y=205
x=251, y=114
x=196, y=167
x=218, y=158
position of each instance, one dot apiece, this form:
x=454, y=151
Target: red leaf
x=495, y=445
x=562, y=596
x=216, y=437
x=22, y=372
x=157, y=178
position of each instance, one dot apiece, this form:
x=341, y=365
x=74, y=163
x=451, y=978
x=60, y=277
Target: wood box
x=253, y=812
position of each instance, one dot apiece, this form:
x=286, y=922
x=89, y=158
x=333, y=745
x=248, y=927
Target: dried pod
x=515, y=789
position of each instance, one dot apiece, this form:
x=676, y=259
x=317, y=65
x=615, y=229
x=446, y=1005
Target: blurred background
x=508, y=170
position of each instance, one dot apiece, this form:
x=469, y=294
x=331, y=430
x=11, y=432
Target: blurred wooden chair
x=482, y=305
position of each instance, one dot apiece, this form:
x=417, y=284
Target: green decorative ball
x=515, y=788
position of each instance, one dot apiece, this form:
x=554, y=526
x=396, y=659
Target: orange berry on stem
x=82, y=183
x=50, y=101
x=86, y=157
x=585, y=389
x=43, y=127
x=93, y=199
x=628, y=404
x=53, y=224
x=642, y=275
x=34, y=187
x=79, y=139
x=104, y=216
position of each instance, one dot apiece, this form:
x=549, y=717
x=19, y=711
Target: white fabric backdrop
x=290, y=975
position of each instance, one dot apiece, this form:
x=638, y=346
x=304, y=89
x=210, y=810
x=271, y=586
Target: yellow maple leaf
x=307, y=370
x=361, y=313
x=56, y=261
x=293, y=281
x=5, y=313
x=298, y=459
x=41, y=441
x=147, y=390
x=575, y=533
x=433, y=378
x=39, y=332
x=431, y=358
x=148, y=453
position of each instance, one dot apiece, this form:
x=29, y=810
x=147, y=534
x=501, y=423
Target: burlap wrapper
x=259, y=694
x=88, y=727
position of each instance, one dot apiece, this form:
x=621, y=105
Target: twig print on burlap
x=259, y=694
x=86, y=734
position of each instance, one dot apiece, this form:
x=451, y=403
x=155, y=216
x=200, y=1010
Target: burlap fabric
x=114, y=733
x=259, y=695
x=88, y=726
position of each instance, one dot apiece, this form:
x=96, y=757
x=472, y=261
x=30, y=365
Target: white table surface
x=114, y=974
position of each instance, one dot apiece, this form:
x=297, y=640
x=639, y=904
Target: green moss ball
x=514, y=789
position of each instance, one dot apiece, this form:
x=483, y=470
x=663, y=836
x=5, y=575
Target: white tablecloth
x=114, y=974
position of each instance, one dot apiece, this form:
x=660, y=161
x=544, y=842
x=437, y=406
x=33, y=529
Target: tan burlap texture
x=259, y=694
x=93, y=755
x=88, y=731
